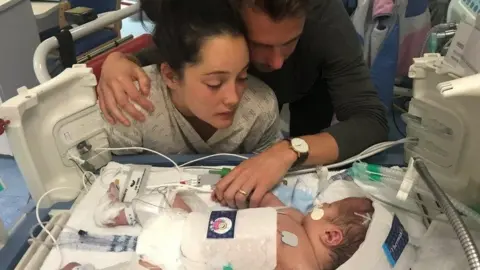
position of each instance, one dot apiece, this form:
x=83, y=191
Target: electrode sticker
x=221, y=225
x=396, y=241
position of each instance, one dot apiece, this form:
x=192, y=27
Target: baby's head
x=337, y=230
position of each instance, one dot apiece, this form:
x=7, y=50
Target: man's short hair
x=279, y=9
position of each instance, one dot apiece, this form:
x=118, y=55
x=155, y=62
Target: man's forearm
x=354, y=96
x=146, y=57
x=323, y=149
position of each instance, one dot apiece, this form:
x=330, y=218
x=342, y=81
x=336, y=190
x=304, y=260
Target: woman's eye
x=214, y=86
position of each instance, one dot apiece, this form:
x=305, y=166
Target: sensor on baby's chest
x=317, y=213
x=289, y=238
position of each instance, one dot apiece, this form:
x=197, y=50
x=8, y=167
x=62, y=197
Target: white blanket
x=440, y=249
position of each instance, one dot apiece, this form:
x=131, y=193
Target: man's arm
x=145, y=57
x=357, y=106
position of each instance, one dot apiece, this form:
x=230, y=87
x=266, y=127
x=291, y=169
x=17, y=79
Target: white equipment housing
x=47, y=123
x=444, y=115
x=463, y=10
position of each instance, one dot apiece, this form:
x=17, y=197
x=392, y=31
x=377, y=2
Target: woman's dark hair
x=181, y=26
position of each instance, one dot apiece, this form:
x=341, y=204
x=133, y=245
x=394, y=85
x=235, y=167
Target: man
x=309, y=54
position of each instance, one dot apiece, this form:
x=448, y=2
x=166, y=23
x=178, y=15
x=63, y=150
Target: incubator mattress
x=82, y=219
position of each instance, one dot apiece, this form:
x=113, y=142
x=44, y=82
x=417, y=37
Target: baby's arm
x=270, y=200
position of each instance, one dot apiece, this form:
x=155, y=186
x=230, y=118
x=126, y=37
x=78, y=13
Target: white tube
x=40, y=56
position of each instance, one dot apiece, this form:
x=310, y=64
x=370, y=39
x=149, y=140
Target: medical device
x=443, y=115
x=463, y=10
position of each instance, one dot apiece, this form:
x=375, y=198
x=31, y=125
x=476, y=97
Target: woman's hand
x=116, y=89
x=253, y=178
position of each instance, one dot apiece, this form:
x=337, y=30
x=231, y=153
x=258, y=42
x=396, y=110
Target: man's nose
x=276, y=58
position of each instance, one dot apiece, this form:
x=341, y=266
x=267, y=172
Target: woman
x=205, y=101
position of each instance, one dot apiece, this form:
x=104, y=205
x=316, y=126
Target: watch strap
x=301, y=157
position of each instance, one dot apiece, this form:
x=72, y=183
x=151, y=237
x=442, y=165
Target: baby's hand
x=148, y=265
x=71, y=266
x=77, y=266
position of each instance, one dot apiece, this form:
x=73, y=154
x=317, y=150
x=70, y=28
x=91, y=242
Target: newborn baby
x=323, y=239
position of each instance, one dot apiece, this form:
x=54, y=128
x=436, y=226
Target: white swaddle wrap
x=243, y=239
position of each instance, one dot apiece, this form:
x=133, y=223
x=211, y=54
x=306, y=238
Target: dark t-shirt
x=329, y=50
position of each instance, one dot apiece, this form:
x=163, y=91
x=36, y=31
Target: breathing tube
x=392, y=177
x=459, y=227
x=442, y=30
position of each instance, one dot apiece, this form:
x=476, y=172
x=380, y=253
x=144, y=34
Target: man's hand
x=254, y=177
x=116, y=89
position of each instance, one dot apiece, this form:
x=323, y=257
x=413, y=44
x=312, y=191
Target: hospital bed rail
x=40, y=56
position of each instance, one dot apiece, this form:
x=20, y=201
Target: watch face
x=299, y=145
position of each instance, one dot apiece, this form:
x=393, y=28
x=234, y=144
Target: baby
x=323, y=239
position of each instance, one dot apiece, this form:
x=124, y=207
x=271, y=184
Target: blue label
x=396, y=241
x=221, y=225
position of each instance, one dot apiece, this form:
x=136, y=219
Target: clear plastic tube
x=393, y=178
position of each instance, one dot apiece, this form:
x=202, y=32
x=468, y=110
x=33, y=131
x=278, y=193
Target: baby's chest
x=293, y=246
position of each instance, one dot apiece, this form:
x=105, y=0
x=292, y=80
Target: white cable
x=85, y=179
x=372, y=150
x=37, y=213
x=177, y=167
x=42, y=242
x=214, y=155
x=139, y=148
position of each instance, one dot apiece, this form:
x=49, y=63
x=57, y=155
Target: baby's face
x=323, y=234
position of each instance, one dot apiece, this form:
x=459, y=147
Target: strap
x=130, y=215
x=66, y=47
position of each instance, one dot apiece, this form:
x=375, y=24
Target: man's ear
x=332, y=236
x=169, y=76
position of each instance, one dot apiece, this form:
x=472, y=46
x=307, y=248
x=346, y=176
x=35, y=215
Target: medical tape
x=408, y=183
x=103, y=243
x=136, y=182
x=130, y=215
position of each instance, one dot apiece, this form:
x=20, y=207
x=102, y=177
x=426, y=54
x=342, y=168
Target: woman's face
x=212, y=88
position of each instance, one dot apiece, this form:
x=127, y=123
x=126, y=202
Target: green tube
x=433, y=44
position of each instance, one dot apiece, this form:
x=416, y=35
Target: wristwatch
x=300, y=147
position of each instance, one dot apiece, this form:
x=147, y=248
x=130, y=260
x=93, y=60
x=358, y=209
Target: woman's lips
x=226, y=114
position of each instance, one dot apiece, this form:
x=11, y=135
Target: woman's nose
x=232, y=95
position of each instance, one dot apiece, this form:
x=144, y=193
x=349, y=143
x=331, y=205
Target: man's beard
x=262, y=67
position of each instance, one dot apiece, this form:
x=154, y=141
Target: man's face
x=271, y=42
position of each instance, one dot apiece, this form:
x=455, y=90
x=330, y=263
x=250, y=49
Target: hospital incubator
x=56, y=133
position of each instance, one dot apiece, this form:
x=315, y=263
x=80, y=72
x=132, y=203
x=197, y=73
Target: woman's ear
x=169, y=76
x=332, y=236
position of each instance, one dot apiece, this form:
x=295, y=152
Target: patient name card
x=221, y=225
x=396, y=241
